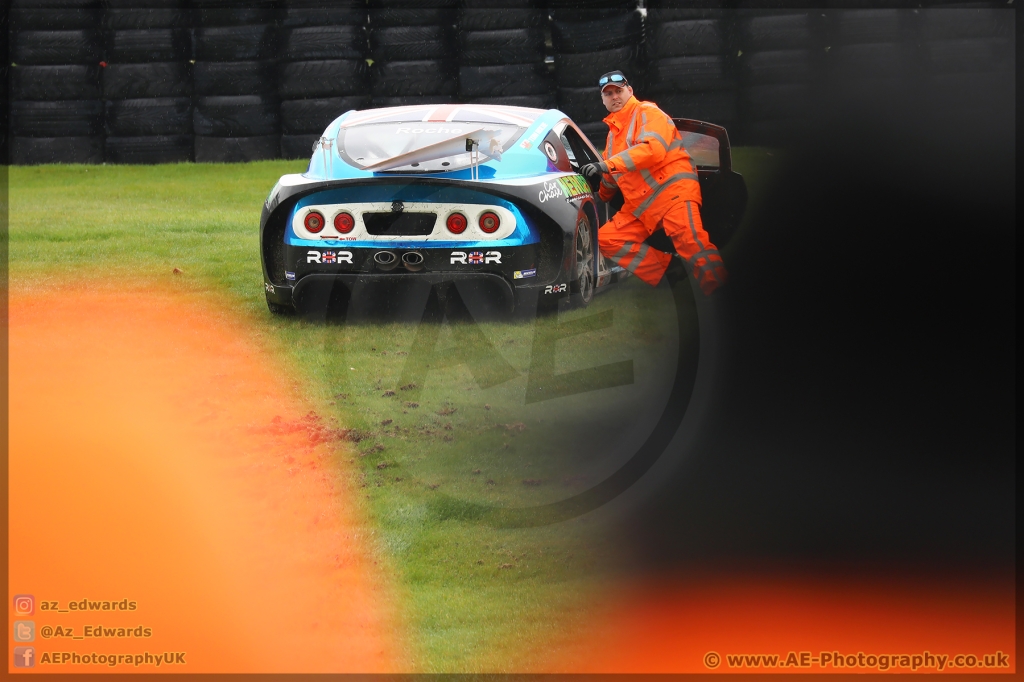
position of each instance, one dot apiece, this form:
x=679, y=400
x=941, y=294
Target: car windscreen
x=422, y=147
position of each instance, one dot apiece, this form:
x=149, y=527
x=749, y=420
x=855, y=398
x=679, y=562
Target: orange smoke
x=671, y=624
x=145, y=465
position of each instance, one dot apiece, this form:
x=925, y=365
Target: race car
x=482, y=199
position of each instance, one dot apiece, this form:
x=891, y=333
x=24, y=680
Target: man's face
x=615, y=98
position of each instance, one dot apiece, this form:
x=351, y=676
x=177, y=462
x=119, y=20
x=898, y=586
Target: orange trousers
x=621, y=240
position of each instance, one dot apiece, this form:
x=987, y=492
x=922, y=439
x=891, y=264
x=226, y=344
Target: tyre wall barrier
x=322, y=70
x=689, y=64
x=127, y=81
x=412, y=52
x=236, y=106
x=778, y=57
x=147, y=81
x=54, y=111
x=588, y=42
x=502, y=53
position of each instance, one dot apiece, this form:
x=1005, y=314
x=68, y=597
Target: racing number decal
x=556, y=288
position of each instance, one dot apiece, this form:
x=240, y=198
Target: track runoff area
x=175, y=449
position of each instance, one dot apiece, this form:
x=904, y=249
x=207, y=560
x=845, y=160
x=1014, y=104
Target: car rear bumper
x=401, y=294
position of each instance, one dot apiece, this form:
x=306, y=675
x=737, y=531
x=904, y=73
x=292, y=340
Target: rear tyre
x=583, y=283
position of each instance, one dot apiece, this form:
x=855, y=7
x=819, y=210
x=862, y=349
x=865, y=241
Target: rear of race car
x=401, y=206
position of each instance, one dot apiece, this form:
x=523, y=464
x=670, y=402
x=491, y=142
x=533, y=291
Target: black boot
x=676, y=271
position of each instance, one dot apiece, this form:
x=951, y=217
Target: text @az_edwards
x=112, y=660
x=837, y=660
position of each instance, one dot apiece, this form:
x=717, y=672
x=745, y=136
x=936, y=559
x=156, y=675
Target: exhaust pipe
x=413, y=261
x=385, y=260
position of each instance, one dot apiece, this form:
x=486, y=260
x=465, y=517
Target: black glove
x=593, y=171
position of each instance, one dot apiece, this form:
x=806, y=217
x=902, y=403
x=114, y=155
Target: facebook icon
x=24, y=656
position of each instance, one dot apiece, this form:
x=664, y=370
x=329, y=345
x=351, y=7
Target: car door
x=581, y=151
x=723, y=190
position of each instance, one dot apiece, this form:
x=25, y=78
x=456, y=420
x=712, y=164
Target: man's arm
x=608, y=187
x=653, y=140
x=600, y=179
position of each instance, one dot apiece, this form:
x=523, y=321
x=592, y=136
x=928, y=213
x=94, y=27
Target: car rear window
x=421, y=147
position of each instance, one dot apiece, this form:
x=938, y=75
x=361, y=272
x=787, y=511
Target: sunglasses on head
x=614, y=78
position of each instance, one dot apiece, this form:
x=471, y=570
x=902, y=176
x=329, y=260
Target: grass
x=451, y=419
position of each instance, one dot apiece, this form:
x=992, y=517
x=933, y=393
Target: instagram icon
x=24, y=604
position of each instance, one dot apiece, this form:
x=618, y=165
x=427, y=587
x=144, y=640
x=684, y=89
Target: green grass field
x=448, y=415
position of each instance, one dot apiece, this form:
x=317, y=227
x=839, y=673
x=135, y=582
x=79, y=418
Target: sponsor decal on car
x=269, y=287
x=523, y=274
x=475, y=257
x=575, y=187
x=528, y=142
x=289, y=275
x=328, y=257
x=550, y=151
x=556, y=288
x=550, y=190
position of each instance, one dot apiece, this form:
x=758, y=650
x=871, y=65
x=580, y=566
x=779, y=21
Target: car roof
x=441, y=113
x=523, y=159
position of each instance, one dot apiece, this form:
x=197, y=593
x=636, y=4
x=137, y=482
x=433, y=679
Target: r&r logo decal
x=329, y=257
x=475, y=257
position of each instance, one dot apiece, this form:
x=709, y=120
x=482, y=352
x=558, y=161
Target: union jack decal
x=476, y=257
x=328, y=257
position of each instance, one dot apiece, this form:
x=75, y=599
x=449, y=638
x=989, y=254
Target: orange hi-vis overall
x=646, y=160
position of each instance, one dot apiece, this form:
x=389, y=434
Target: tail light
x=457, y=223
x=314, y=221
x=489, y=222
x=344, y=222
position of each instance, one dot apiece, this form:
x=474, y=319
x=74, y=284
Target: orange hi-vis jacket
x=646, y=160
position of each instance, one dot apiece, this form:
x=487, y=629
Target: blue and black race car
x=483, y=198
